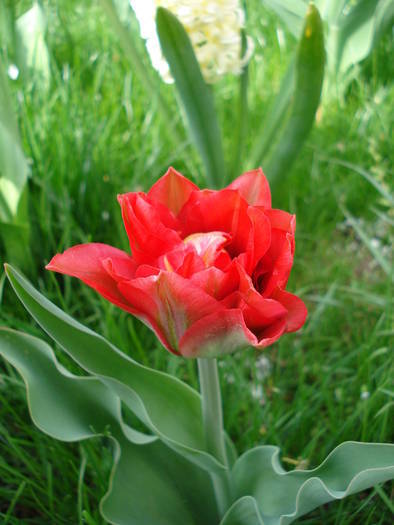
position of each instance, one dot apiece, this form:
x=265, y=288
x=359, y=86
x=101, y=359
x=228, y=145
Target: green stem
x=213, y=428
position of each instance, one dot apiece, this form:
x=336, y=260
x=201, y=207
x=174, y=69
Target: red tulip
x=208, y=269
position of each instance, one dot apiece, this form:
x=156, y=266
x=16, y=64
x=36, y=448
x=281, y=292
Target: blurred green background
x=84, y=129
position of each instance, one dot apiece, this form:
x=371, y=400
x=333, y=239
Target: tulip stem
x=212, y=414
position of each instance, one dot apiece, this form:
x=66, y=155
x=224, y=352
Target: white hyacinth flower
x=214, y=28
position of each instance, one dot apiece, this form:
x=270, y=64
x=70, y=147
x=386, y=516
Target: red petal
x=149, y=237
x=119, y=268
x=145, y=270
x=282, y=220
x=259, y=239
x=183, y=260
x=254, y=188
x=218, y=211
x=215, y=282
x=170, y=302
x=172, y=190
x=258, y=311
x=271, y=334
x=274, y=268
x=87, y=262
x=296, y=309
x=220, y=333
x=141, y=294
x=208, y=245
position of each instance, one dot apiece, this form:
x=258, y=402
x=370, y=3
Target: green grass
x=96, y=134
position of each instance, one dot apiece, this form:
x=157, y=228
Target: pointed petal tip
x=254, y=187
x=172, y=190
x=52, y=263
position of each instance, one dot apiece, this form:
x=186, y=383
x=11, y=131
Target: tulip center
x=208, y=245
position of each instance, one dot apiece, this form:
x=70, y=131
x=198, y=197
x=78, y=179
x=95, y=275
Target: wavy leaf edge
x=210, y=460
x=334, y=494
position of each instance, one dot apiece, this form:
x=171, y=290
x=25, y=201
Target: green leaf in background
x=64, y=406
x=284, y=496
x=352, y=29
x=305, y=97
x=14, y=169
x=149, y=482
x=155, y=486
x=359, y=31
x=196, y=96
x=292, y=12
x=116, y=13
x=170, y=408
x=273, y=121
x=7, y=29
x=31, y=28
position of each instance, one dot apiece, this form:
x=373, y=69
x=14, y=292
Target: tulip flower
x=208, y=269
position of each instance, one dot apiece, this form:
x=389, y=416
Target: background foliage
x=92, y=133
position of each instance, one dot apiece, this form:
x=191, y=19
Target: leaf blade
x=195, y=95
x=148, y=480
x=14, y=169
x=309, y=71
x=170, y=408
x=284, y=496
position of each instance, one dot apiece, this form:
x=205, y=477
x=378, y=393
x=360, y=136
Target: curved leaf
x=169, y=407
x=64, y=406
x=196, y=96
x=152, y=485
x=284, y=496
x=243, y=512
x=149, y=482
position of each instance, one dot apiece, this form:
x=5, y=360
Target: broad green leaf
x=292, y=12
x=243, y=512
x=284, y=496
x=309, y=73
x=169, y=407
x=64, y=406
x=196, y=96
x=360, y=29
x=153, y=485
x=31, y=28
x=352, y=29
x=13, y=166
x=384, y=17
x=149, y=482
